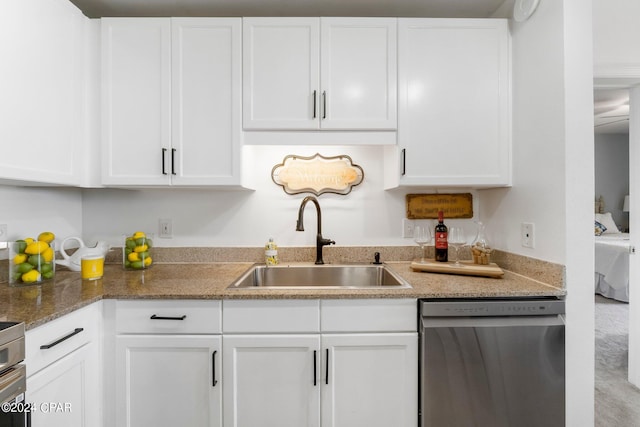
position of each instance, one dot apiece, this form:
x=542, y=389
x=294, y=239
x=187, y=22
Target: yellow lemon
x=48, y=254
x=147, y=261
x=138, y=234
x=19, y=259
x=133, y=256
x=142, y=248
x=29, y=240
x=35, y=248
x=31, y=276
x=46, y=236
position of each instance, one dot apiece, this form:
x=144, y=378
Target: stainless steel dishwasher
x=492, y=362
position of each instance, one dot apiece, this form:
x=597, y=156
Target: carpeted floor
x=617, y=402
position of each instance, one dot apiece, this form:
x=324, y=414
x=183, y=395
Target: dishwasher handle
x=489, y=322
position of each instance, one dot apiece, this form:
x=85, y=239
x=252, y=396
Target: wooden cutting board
x=467, y=268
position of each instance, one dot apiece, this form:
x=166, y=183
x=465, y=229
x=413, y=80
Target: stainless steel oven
x=492, y=363
x=14, y=410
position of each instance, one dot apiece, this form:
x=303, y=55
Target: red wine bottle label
x=441, y=240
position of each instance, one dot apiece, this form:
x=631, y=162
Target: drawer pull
x=154, y=317
x=164, y=172
x=58, y=341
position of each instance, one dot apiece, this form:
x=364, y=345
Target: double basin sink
x=327, y=276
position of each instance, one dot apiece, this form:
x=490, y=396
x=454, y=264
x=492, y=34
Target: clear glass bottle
x=480, y=248
x=271, y=252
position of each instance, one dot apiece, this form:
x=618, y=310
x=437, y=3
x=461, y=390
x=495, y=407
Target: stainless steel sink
x=328, y=276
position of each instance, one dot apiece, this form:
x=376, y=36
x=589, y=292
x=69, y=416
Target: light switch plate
x=165, y=226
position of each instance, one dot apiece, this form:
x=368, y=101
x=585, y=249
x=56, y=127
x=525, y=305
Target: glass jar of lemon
x=136, y=252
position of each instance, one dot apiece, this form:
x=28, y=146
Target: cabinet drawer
x=370, y=315
x=168, y=317
x=54, y=340
x=249, y=316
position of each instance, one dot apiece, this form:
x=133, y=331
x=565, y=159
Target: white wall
x=612, y=173
x=28, y=211
x=538, y=191
x=615, y=29
x=204, y=217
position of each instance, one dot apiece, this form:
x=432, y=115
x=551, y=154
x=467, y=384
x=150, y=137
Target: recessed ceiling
x=393, y=8
x=611, y=110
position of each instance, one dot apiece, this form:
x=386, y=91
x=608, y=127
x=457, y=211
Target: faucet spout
x=320, y=241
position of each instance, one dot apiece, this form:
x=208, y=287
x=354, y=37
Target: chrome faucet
x=320, y=241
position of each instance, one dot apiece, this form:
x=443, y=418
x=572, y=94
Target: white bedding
x=612, y=266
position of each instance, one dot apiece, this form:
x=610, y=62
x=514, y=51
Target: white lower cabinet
x=364, y=378
x=269, y=380
x=63, y=359
x=168, y=380
x=168, y=364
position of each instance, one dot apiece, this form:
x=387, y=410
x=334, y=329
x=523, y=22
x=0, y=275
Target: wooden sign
x=426, y=206
x=317, y=174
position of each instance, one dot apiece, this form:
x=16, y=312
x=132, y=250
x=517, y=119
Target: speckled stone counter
x=38, y=304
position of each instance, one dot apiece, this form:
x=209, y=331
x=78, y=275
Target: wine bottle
x=442, y=245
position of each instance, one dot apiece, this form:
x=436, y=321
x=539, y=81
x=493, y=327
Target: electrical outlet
x=527, y=235
x=407, y=228
x=166, y=228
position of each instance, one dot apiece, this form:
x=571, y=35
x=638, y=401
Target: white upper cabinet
x=171, y=101
x=454, y=111
x=319, y=73
x=358, y=73
x=136, y=101
x=43, y=93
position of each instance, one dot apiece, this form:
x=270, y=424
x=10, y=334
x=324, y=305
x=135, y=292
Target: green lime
x=24, y=267
x=140, y=241
x=45, y=268
x=47, y=275
x=149, y=243
x=35, y=260
x=138, y=265
x=130, y=243
x=143, y=255
x=127, y=251
x=17, y=277
x=20, y=246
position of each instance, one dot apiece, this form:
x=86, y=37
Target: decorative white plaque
x=317, y=174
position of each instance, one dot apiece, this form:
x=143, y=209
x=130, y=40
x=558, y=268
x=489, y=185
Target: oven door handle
x=12, y=383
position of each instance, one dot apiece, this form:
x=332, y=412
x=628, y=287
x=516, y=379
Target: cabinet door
x=136, y=101
x=280, y=73
x=358, y=73
x=67, y=392
x=370, y=380
x=454, y=102
x=168, y=380
x=206, y=94
x=269, y=380
x=43, y=89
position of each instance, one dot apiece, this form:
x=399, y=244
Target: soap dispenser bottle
x=271, y=253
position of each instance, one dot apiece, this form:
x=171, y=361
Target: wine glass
x=457, y=239
x=422, y=236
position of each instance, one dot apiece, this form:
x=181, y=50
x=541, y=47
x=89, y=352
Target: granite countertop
x=38, y=304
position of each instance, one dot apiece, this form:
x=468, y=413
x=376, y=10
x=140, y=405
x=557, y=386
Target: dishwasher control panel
x=491, y=307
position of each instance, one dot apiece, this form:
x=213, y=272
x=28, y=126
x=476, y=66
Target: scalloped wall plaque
x=317, y=174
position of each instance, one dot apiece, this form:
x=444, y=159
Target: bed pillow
x=600, y=228
x=606, y=220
